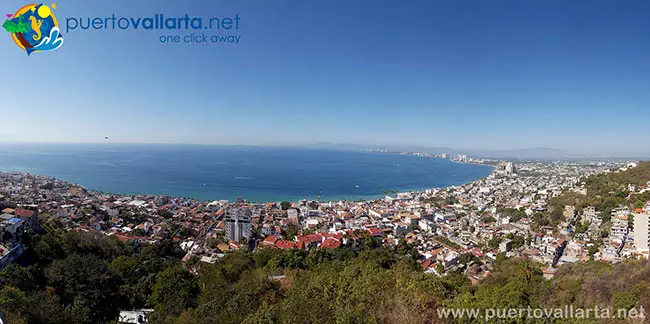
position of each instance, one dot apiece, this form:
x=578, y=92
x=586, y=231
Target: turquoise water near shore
x=210, y=172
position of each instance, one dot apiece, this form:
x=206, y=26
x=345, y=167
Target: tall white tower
x=642, y=229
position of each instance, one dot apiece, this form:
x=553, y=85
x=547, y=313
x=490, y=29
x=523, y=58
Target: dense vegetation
x=609, y=190
x=605, y=192
x=78, y=277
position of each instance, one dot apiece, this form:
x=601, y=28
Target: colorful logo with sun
x=34, y=28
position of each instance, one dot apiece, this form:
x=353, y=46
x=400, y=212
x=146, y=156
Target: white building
x=619, y=230
x=505, y=245
x=426, y=225
x=589, y=213
x=642, y=230
x=134, y=317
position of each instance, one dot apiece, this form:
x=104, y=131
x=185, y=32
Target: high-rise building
x=642, y=229
x=238, y=223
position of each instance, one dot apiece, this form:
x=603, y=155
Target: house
x=331, y=243
x=400, y=228
x=284, y=244
x=505, y=245
x=134, y=316
x=11, y=229
x=426, y=225
x=9, y=254
x=311, y=223
x=270, y=240
x=223, y=247
x=377, y=232
x=620, y=228
x=310, y=239
x=549, y=273
x=292, y=214
x=429, y=266
x=589, y=214
x=30, y=217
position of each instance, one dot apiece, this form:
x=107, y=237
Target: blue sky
x=572, y=75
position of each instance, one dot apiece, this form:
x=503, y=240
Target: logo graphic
x=34, y=28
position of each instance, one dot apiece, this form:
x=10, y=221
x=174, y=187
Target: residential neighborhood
x=502, y=215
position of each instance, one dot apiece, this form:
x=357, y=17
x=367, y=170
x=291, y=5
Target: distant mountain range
x=531, y=153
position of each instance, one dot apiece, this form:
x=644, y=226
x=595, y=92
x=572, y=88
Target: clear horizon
x=469, y=76
x=530, y=153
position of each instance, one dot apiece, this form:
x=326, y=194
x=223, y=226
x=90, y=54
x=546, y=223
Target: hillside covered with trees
x=81, y=277
x=605, y=192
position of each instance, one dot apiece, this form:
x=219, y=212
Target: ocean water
x=229, y=172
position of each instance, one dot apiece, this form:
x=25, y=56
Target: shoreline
x=355, y=199
x=208, y=197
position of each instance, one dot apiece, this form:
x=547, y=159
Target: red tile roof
x=352, y=236
x=477, y=252
x=24, y=212
x=311, y=238
x=270, y=240
x=125, y=238
x=337, y=236
x=331, y=243
x=284, y=244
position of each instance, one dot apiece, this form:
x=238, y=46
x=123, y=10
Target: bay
x=212, y=172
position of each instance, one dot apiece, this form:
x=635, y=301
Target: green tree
x=517, y=241
x=86, y=282
x=581, y=227
x=175, y=290
x=13, y=304
x=285, y=205
x=23, y=278
x=500, y=258
x=623, y=300
x=494, y=243
x=290, y=232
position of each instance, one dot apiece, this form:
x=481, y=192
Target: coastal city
x=502, y=215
